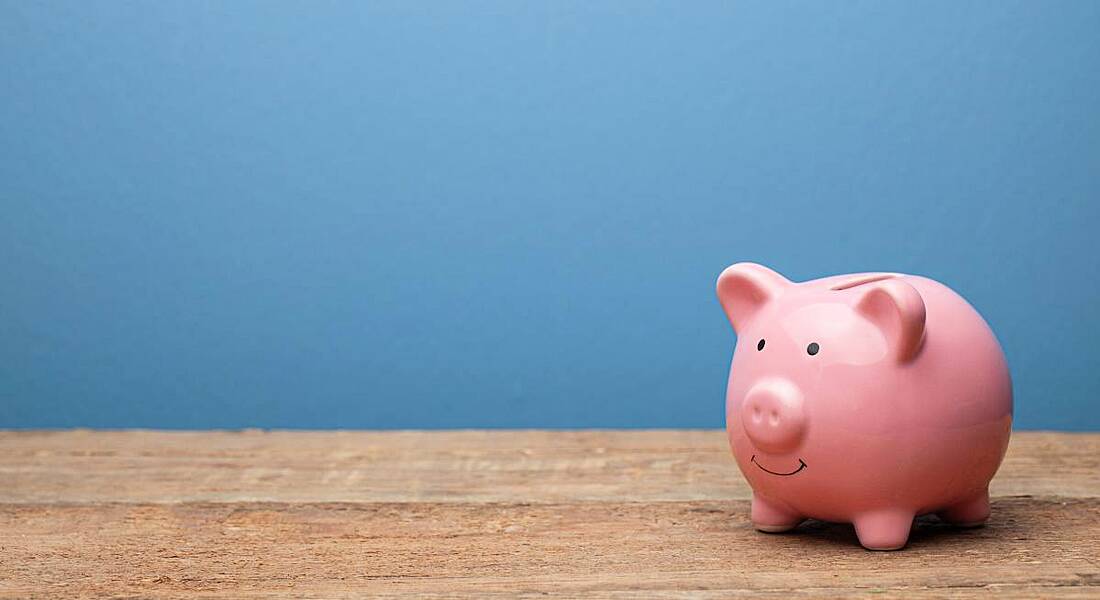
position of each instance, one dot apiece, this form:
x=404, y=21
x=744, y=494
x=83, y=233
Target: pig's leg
x=772, y=517
x=884, y=529
x=969, y=513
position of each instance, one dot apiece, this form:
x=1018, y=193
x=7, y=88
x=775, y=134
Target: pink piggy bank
x=867, y=399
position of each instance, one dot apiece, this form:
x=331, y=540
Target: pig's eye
x=813, y=348
x=760, y=345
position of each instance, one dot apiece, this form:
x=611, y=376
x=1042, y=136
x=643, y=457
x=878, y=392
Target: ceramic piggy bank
x=867, y=399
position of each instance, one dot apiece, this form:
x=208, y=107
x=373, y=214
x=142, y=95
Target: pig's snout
x=772, y=416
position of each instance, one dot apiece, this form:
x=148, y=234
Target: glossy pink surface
x=868, y=398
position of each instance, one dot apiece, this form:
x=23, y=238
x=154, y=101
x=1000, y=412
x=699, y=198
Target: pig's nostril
x=774, y=418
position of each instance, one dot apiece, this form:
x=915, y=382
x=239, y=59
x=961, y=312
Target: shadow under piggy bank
x=929, y=533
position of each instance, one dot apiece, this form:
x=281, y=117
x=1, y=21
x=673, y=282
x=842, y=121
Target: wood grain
x=495, y=514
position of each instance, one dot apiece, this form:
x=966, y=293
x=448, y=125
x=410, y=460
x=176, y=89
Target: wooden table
x=625, y=514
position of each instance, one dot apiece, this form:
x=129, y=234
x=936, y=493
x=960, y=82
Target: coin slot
x=862, y=280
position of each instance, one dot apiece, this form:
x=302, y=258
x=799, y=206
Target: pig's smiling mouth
x=801, y=465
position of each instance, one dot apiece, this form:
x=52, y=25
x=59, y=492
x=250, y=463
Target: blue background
x=511, y=214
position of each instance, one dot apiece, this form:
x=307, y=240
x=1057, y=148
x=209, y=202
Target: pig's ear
x=745, y=287
x=898, y=310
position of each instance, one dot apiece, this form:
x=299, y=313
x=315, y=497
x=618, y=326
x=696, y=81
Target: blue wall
x=511, y=214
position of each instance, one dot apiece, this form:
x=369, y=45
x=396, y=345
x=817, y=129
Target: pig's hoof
x=772, y=517
x=970, y=513
x=884, y=530
x=885, y=548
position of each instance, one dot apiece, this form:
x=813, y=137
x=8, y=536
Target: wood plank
x=600, y=514
x=453, y=466
x=594, y=549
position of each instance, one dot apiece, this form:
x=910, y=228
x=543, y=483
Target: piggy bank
x=868, y=399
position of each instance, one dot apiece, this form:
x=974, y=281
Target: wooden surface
x=495, y=514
